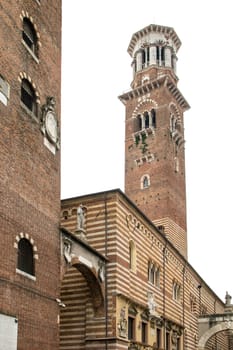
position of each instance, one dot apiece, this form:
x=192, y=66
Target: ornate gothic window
x=157, y=276
x=176, y=288
x=25, y=257
x=145, y=120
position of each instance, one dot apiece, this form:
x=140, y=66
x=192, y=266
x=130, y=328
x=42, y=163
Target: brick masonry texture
x=30, y=174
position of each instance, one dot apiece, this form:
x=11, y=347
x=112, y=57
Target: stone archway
x=82, y=291
x=212, y=325
x=93, y=284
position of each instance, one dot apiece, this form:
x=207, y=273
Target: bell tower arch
x=154, y=132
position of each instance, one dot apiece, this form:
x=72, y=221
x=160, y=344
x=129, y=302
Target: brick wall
x=30, y=173
x=112, y=222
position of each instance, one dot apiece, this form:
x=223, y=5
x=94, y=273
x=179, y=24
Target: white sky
x=97, y=69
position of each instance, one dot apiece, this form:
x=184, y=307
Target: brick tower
x=30, y=51
x=154, y=133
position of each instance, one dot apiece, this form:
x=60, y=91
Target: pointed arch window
x=25, y=261
x=176, y=291
x=29, y=35
x=154, y=273
x=28, y=96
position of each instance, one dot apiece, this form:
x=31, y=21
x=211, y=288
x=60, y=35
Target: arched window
x=153, y=118
x=151, y=272
x=157, y=276
x=154, y=273
x=145, y=181
x=138, y=123
x=29, y=35
x=176, y=289
x=147, y=120
x=25, y=257
x=28, y=96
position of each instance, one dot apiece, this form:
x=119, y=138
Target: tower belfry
x=154, y=133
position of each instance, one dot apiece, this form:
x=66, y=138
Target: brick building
x=30, y=79
x=152, y=297
x=116, y=275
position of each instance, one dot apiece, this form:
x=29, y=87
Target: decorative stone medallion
x=49, y=125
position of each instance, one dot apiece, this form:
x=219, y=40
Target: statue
x=80, y=218
x=151, y=303
x=122, y=325
x=228, y=299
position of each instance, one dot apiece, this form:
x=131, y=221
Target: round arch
x=93, y=284
x=81, y=303
x=223, y=326
x=143, y=105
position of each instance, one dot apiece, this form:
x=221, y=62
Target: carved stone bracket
x=67, y=247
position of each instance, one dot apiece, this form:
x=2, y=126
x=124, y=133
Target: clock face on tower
x=51, y=126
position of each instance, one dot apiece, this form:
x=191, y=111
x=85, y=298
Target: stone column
x=160, y=55
x=174, y=59
x=139, y=61
x=168, y=59
x=143, y=121
x=150, y=119
x=152, y=54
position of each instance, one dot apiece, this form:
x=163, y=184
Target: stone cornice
x=155, y=84
x=153, y=28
